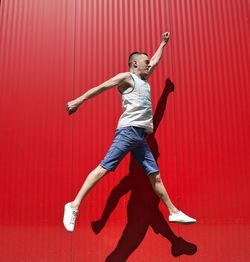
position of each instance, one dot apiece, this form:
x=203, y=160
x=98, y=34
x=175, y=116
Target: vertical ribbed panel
x=211, y=75
x=36, y=80
x=212, y=100
x=52, y=52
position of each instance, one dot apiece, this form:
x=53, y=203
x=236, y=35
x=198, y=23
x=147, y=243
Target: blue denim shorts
x=130, y=139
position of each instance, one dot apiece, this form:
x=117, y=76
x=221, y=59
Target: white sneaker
x=69, y=217
x=180, y=217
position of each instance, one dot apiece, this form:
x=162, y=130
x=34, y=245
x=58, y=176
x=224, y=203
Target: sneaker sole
x=182, y=222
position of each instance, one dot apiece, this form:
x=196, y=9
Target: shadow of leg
x=179, y=245
x=132, y=236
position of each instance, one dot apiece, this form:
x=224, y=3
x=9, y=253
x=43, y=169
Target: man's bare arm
x=154, y=61
x=117, y=80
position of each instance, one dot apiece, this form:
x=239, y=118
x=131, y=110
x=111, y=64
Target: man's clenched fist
x=165, y=37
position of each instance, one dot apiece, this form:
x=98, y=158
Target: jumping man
x=135, y=123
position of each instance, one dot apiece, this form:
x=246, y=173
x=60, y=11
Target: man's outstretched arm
x=117, y=80
x=155, y=59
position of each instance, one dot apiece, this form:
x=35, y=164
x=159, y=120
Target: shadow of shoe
x=182, y=247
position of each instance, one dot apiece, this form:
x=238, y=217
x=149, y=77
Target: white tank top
x=137, y=106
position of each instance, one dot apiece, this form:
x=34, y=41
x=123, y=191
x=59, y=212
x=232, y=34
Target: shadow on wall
x=140, y=215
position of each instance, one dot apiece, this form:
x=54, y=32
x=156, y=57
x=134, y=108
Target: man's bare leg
x=175, y=214
x=161, y=191
x=71, y=208
x=95, y=176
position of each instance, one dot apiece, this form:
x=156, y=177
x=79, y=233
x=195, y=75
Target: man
x=133, y=126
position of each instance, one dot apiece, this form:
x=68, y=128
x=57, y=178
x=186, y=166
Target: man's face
x=142, y=63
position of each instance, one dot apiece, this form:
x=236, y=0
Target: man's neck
x=135, y=72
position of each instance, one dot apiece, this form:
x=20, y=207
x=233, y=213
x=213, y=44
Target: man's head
x=134, y=57
x=139, y=61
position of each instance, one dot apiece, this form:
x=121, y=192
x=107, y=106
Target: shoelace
x=73, y=217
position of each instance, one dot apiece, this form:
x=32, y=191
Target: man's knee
x=155, y=178
x=100, y=172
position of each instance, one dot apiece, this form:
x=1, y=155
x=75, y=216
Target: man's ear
x=135, y=63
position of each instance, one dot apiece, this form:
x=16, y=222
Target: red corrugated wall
x=53, y=51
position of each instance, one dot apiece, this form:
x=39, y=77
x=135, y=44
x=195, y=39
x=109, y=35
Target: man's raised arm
x=155, y=59
x=117, y=80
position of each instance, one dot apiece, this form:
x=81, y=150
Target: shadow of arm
x=121, y=189
x=162, y=103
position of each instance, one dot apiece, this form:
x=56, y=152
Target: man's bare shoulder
x=125, y=76
x=126, y=82
x=116, y=80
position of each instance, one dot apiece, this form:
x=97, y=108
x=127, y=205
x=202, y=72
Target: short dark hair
x=133, y=55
